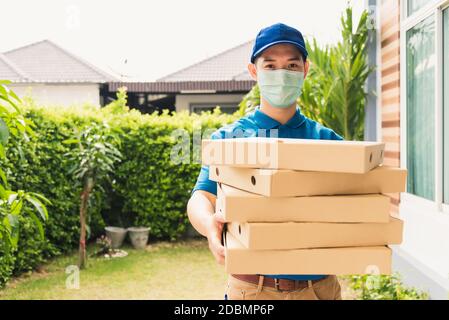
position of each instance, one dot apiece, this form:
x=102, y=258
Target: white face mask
x=281, y=88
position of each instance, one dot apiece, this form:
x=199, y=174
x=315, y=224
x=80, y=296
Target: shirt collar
x=264, y=121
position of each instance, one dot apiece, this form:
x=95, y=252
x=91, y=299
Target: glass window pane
x=415, y=5
x=446, y=104
x=420, y=109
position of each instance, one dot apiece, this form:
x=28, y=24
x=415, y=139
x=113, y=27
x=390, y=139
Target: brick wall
x=390, y=84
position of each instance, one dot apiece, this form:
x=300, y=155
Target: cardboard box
x=294, y=154
x=304, y=235
x=338, y=261
x=286, y=183
x=242, y=206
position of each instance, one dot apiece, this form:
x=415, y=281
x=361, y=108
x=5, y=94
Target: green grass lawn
x=181, y=270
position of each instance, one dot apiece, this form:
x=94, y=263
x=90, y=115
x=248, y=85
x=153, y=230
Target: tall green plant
x=14, y=203
x=334, y=92
x=93, y=160
x=118, y=106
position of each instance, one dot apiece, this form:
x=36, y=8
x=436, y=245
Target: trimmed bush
x=6, y=266
x=147, y=189
x=32, y=250
x=150, y=190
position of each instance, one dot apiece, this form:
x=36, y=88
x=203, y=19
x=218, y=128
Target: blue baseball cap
x=276, y=34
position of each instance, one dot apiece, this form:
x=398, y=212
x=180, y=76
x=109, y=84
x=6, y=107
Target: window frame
x=443, y=85
x=435, y=8
x=428, y=7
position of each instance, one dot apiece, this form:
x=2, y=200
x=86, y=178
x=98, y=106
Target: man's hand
x=214, y=236
x=201, y=211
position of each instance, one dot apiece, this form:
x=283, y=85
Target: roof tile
x=226, y=66
x=45, y=61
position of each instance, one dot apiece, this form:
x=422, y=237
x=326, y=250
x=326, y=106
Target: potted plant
x=116, y=235
x=139, y=236
x=115, y=227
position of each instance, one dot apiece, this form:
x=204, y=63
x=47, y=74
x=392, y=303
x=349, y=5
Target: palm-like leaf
x=334, y=93
x=13, y=204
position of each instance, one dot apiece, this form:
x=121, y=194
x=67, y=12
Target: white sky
x=157, y=37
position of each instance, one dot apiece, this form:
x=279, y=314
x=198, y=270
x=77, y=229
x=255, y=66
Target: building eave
x=185, y=87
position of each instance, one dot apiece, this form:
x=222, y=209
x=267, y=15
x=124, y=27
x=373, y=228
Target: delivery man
x=279, y=65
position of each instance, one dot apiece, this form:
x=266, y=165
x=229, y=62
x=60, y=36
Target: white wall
x=426, y=234
x=423, y=257
x=183, y=101
x=59, y=94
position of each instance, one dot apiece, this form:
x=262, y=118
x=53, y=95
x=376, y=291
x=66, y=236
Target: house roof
x=230, y=65
x=47, y=62
x=8, y=70
x=185, y=86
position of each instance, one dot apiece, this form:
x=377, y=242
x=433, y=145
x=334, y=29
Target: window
x=425, y=106
x=415, y=5
x=224, y=107
x=446, y=105
x=420, y=70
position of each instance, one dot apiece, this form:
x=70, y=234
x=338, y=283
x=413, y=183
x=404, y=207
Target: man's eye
x=293, y=66
x=269, y=66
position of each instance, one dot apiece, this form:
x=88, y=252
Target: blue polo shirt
x=256, y=124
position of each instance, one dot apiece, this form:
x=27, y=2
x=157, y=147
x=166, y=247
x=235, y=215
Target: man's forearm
x=200, y=209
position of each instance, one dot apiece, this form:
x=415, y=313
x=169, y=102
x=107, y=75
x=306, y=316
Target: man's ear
x=306, y=68
x=252, y=71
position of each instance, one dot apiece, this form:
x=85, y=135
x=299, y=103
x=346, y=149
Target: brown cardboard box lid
x=303, y=235
x=288, y=183
x=243, y=206
x=338, y=261
x=294, y=154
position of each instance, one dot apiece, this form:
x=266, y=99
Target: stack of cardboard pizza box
x=305, y=206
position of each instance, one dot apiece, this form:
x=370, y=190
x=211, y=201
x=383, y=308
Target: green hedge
x=6, y=266
x=146, y=188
